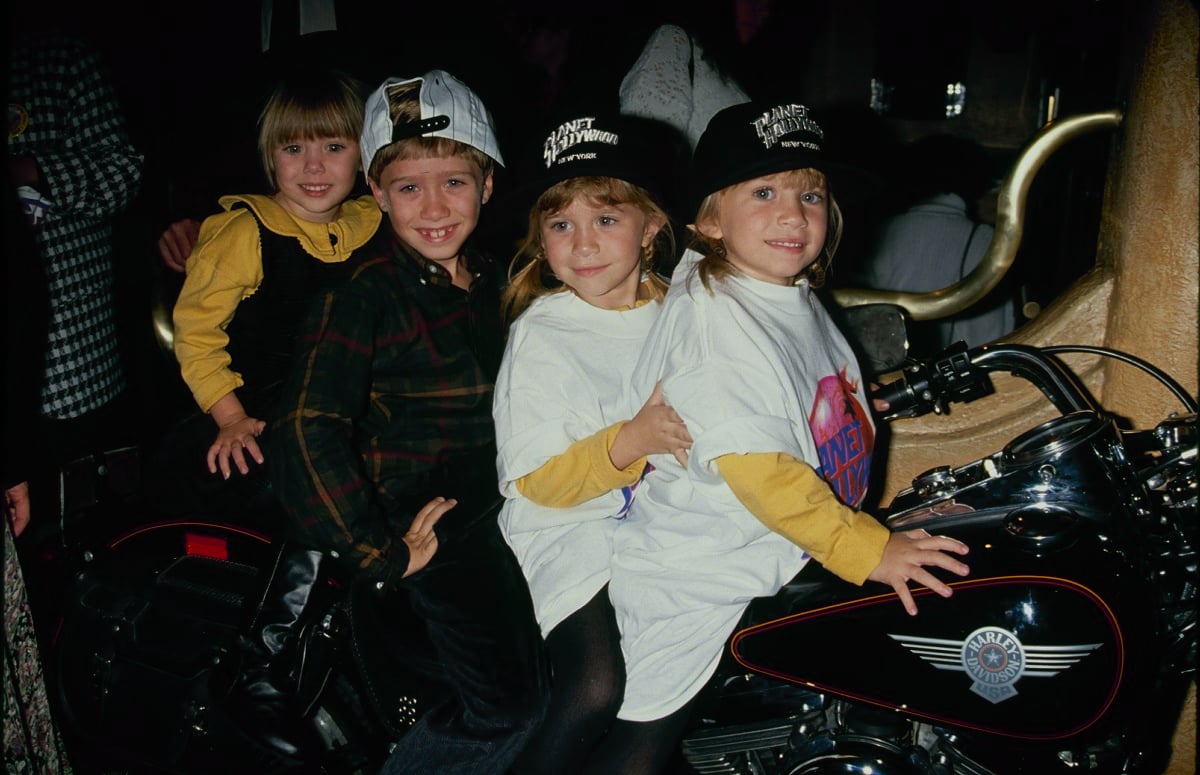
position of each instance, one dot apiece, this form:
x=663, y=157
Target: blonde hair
x=529, y=274
x=309, y=106
x=715, y=264
x=405, y=106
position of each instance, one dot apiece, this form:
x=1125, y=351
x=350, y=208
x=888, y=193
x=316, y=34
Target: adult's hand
x=16, y=505
x=176, y=243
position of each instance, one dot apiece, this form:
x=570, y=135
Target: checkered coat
x=62, y=112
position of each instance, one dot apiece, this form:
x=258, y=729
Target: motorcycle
x=148, y=649
x=1070, y=646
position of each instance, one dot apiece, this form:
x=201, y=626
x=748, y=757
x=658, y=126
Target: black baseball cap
x=758, y=138
x=590, y=144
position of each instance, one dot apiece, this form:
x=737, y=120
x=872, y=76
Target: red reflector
x=206, y=546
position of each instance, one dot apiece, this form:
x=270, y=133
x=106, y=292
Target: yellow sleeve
x=789, y=497
x=225, y=267
x=582, y=472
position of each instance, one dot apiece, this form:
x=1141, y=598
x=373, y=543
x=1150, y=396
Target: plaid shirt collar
x=430, y=272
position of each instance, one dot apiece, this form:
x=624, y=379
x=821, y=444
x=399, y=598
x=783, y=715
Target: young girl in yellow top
x=569, y=454
x=257, y=265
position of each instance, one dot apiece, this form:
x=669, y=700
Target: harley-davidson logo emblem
x=995, y=658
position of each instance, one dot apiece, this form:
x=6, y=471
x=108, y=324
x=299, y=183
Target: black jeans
x=476, y=607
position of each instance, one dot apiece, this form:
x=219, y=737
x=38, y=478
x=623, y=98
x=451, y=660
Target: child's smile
x=433, y=204
x=773, y=228
x=438, y=235
x=314, y=176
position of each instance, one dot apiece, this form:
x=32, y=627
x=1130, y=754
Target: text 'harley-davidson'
x=1070, y=647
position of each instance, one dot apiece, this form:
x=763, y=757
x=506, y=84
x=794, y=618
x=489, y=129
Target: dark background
x=191, y=75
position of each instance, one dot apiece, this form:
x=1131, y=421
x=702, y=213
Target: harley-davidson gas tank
x=1038, y=643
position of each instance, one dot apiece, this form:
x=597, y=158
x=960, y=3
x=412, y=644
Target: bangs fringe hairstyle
x=308, y=106
x=715, y=265
x=529, y=274
x=404, y=104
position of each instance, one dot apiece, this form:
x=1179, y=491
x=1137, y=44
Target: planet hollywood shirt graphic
x=629, y=491
x=844, y=436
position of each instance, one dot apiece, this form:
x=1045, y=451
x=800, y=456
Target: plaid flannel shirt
x=64, y=114
x=388, y=405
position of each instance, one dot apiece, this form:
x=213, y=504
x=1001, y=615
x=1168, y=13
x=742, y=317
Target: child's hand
x=422, y=542
x=235, y=439
x=655, y=429
x=880, y=405
x=904, y=557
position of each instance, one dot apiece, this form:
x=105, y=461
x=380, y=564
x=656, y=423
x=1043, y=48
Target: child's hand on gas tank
x=905, y=557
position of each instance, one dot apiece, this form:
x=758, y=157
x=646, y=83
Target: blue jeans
x=476, y=607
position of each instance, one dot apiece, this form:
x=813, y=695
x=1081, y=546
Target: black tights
x=639, y=747
x=586, y=689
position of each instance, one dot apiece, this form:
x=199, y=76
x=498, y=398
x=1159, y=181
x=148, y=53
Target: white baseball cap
x=448, y=109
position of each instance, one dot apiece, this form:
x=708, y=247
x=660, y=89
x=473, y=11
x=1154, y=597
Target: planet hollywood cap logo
x=571, y=133
x=785, y=120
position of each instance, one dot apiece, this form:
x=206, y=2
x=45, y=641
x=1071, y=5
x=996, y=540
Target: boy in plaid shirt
x=386, y=427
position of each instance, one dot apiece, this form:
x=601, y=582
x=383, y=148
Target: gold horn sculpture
x=1010, y=218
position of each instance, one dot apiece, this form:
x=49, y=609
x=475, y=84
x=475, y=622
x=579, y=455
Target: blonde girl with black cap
x=584, y=296
x=783, y=436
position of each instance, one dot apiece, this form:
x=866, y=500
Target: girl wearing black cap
x=584, y=296
x=773, y=395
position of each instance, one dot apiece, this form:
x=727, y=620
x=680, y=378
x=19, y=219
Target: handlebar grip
x=908, y=396
x=928, y=386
